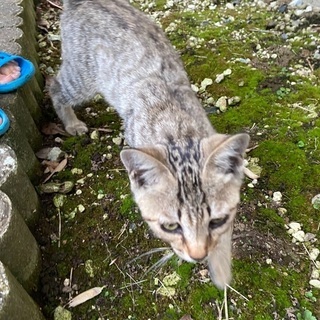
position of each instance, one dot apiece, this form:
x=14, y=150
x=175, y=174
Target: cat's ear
x=224, y=153
x=145, y=166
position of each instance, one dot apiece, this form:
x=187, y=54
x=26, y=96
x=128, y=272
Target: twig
x=59, y=231
x=241, y=295
x=135, y=282
x=54, y=4
x=225, y=298
x=313, y=261
x=310, y=65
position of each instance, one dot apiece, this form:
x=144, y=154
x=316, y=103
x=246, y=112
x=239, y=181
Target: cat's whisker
x=152, y=251
x=160, y=262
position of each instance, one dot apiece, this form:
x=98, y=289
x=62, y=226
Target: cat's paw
x=77, y=128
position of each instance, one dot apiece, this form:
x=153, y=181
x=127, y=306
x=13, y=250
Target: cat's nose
x=198, y=255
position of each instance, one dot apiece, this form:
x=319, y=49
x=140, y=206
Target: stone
x=277, y=196
x=19, y=250
x=222, y=103
x=15, y=303
x=315, y=283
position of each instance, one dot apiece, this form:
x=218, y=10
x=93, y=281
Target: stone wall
x=20, y=259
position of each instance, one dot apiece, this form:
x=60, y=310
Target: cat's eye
x=171, y=227
x=216, y=223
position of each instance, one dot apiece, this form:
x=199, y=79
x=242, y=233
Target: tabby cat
x=184, y=176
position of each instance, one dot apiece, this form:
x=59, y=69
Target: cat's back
x=110, y=20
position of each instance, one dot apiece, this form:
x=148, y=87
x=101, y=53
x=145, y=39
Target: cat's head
x=189, y=196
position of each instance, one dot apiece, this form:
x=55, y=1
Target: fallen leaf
x=53, y=129
x=59, y=168
x=186, y=317
x=50, y=165
x=85, y=296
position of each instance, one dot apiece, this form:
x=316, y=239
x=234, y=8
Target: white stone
x=277, y=196
x=205, y=82
x=222, y=103
x=315, y=274
x=315, y=283
x=314, y=253
x=230, y=6
x=117, y=140
x=295, y=226
x=81, y=208
x=95, y=135
x=227, y=72
x=219, y=78
x=299, y=235
x=194, y=88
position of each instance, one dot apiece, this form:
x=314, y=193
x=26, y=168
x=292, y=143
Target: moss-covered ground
x=279, y=108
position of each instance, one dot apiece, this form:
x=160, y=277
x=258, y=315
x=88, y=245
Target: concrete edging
x=20, y=257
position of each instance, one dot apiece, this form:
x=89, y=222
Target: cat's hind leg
x=67, y=91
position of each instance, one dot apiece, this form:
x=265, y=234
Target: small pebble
x=315, y=283
x=277, y=196
x=81, y=208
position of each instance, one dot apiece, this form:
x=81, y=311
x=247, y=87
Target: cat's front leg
x=72, y=124
x=219, y=260
x=63, y=99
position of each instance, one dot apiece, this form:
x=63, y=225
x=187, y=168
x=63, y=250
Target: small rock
x=95, y=135
x=271, y=25
x=314, y=253
x=55, y=154
x=227, y=72
x=81, y=208
x=296, y=3
x=219, y=78
x=316, y=202
x=299, y=235
x=222, y=103
x=315, y=283
x=234, y=101
x=117, y=141
x=283, y=8
x=204, y=83
x=277, y=196
x=282, y=212
x=194, y=88
x=210, y=100
x=295, y=226
x=315, y=274
x=309, y=236
x=230, y=6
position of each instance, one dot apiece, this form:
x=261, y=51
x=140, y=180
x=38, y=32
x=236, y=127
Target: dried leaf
x=186, y=317
x=85, y=296
x=51, y=165
x=53, y=129
x=59, y=168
